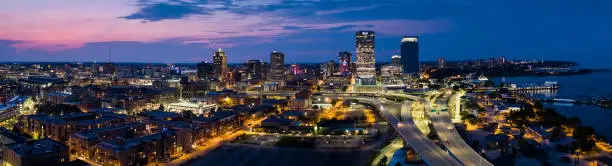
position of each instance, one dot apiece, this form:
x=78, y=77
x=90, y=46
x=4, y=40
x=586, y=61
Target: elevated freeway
x=441, y=122
x=429, y=152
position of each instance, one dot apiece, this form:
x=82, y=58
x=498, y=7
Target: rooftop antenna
x=109, y=53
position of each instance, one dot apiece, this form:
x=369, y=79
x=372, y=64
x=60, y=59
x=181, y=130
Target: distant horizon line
x=5, y=62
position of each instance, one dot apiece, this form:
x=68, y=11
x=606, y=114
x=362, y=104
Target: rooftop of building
x=18, y=138
x=82, y=118
x=101, y=110
x=295, y=113
x=215, y=116
x=160, y=114
x=18, y=99
x=119, y=145
x=4, y=107
x=605, y=160
x=92, y=134
x=62, y=94
x=38, y=147
x=275, y=120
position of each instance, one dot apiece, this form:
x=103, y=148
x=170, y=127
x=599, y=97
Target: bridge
x=459, y=152
x=441, y=122
x=564, y=100
x=429, y=151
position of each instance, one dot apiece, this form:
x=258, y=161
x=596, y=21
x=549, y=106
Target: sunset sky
x=305, y=30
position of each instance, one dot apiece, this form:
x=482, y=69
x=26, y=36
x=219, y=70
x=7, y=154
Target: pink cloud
x=65, y=25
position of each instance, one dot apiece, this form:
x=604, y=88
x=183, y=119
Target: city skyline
x=178, y=31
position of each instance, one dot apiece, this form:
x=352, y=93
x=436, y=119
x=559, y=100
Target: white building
x=197, y=108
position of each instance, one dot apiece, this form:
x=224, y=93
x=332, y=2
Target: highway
x=431, y=153
x=450, y=137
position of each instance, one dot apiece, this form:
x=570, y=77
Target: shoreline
x=580, y=72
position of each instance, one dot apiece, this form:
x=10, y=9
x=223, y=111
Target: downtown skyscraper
x=366, y=58
x=277, y=66
x=344, y=59
x=410, y=54
x=220, y=64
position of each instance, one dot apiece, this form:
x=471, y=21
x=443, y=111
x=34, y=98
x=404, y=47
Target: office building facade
x=254, y=69
x=277, y=66
x=220, y=64
x=366, y=57
x=344, y=61
x=410, y=54
x=396, y=60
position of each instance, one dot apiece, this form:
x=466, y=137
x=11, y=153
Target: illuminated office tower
x=295, y=69
x=344, y=60
x=410, y=54
x=277, y=66
x=254, y=71
x=366, y=58
x=441, y=62
x=220, y=64
x=396, y=60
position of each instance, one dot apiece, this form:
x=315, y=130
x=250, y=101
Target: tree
x=188, y=114
x=475, y=144
x=383, y=161
x=538, y=104
x=583, y=137
x=573, y=121
x=555, y=134
x=161, y=107
x=57, y=109
x=489, y=83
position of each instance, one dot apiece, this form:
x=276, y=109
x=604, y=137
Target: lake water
x=577, y=87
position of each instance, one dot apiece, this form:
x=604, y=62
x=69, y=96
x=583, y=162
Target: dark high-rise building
x=366, y=58
x=295, y=69
x=328, y=69
x=220, y=64
x=206, y=70
x=410, y=54
x=277, y=66
x=441, y=62
x=396, y=60
x=254, y=69
x=344, y=59
x=108, y=68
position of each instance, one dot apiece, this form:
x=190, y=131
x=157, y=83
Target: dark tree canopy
x=57, y=109
x=188, y=114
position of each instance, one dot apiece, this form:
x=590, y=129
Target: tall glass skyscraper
x=366, y=58
x=410, y=54
x=277, y=66
x=254, y=69
x=220, y=64
x=344, y=59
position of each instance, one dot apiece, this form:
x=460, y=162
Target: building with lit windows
x=295, y=69
x=277, y=66
x=206, y=70
x=366, y=58
x=254, y=71
x=344, y=60
x=155, y=148
x=34, y=153
x=410, y=54
x=220, y=64
x=396, y=60
x=197, y=108
x=441, y=62
x=82, y=144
